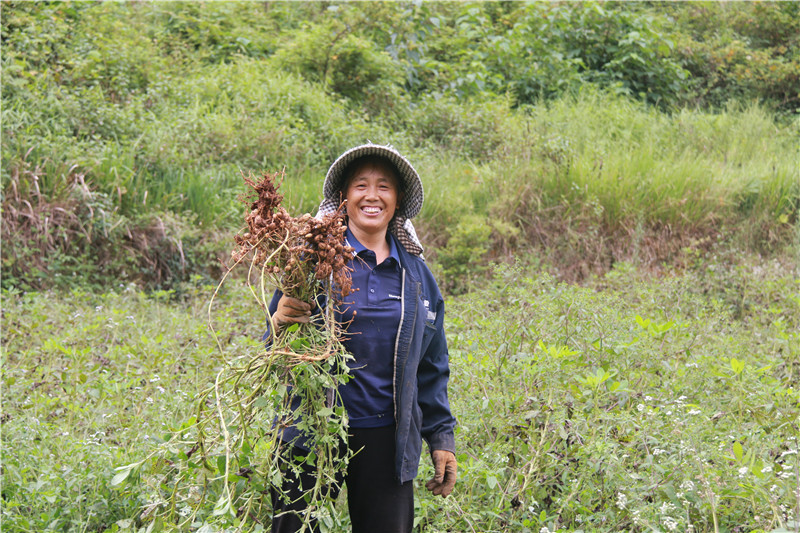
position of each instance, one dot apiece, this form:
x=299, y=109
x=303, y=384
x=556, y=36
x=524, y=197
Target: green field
x=630, y=404
x=612, y=209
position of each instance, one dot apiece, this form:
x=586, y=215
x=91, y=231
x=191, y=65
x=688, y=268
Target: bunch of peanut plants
x=219, y=467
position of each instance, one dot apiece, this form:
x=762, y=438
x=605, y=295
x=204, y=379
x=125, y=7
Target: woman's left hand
x=445, y=469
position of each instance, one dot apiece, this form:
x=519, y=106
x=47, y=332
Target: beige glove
x=290, y=311
x=445, y=468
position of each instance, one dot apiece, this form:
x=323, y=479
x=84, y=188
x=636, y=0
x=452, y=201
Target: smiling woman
x=397, y=392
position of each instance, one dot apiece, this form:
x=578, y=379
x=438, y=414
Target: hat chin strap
x=400, y=226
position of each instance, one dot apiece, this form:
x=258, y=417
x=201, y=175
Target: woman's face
x=372, y=198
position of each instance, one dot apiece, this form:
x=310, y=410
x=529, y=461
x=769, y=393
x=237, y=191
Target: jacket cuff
x=442, y=441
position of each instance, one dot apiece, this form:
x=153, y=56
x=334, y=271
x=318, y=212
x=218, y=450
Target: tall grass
x=686, y=168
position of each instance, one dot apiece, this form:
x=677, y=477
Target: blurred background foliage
x=580, y=133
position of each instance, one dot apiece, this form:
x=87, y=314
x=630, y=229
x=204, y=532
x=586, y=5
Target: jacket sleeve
x=433, y=374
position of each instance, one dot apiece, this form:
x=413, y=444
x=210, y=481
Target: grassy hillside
x=126, y=127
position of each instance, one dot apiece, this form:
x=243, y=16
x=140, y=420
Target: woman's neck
x=373, y=241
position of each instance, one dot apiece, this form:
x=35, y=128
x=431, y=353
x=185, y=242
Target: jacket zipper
x=396, y=346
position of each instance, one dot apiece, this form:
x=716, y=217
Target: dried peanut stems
x=237, y=452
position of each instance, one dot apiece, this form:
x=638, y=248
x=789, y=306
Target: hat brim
x=413, y=194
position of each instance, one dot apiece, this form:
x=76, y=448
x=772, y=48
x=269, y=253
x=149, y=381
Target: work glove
x=445, y=468
x=290, y=311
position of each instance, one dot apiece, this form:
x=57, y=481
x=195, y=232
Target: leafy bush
x=464, y=254
x=748, y=51
x=612, y=46
x=332, y=55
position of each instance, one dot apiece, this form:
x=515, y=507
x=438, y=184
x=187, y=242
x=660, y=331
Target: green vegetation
x=648, y=151
x=608, y=129
x=631, y=404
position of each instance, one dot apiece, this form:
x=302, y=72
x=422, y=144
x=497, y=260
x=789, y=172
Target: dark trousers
x=376, y=501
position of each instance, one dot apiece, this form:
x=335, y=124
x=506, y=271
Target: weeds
x=595, y=175
x=632, y=404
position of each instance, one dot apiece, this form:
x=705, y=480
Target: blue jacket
x=421, y=370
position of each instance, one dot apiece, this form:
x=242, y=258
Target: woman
x=397, y=394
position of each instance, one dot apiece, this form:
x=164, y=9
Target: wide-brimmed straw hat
x=411, y=186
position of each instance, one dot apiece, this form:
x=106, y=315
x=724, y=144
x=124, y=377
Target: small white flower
x=640, y=407
x=544, y=529
x=743, y=471
x=622, y=500
x=766, y=470
x=694, y=412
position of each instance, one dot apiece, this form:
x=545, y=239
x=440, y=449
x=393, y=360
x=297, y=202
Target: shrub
x=332, y=55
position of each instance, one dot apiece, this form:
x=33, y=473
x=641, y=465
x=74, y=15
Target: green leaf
x=738, y=451
x=299, y=345
x=122, y=475
x=155, y=526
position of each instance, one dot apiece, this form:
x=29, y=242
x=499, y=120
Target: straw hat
x=411, y=185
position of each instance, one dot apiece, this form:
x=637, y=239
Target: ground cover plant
x=630, y=405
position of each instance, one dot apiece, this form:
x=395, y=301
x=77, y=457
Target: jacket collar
x=351, y=240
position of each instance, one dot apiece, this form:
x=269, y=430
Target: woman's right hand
x=290, y=311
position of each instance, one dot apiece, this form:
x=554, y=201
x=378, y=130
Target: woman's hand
x=290, y=311
x=445, y=468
